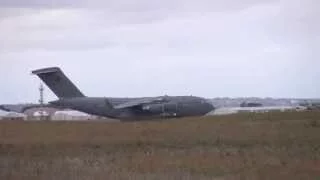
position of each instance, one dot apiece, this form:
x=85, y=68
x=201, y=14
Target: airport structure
x=73, y=105
x=265, y=109
x=40, y=114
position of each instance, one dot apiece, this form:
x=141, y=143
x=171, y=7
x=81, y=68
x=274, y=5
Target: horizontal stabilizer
x=21, y=108
x=46, y=70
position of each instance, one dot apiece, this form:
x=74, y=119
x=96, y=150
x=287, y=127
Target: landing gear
x=169, y=110
x=167, y=115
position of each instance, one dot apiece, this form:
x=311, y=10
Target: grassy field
x=245, y=146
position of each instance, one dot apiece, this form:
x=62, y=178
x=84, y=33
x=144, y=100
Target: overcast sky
x=209, y=48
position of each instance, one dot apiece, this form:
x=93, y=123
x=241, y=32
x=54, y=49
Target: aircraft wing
x=20, y=108
x=140, y=102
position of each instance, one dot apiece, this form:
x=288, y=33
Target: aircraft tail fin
x=58, y=82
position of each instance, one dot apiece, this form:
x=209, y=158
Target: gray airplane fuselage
x=174, y=107
x=70, y=97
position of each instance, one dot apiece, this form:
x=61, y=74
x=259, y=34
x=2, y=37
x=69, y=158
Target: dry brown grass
x=246, y=146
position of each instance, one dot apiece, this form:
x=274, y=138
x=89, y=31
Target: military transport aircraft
x=126, y=109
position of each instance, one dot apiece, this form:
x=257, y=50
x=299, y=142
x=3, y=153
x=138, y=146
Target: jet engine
x=164, y=109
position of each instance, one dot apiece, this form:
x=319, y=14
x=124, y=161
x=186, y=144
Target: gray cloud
x=79, y=28
x=39, y=3
x=137, y=5
x=206, y=48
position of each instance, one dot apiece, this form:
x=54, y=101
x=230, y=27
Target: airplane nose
x=3, y=108
x=209, y=106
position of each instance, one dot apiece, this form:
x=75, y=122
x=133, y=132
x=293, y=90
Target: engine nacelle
x=165, y=109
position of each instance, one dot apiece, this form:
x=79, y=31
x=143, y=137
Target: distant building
x=40, y=113
x=40, y=116
x=263, y=109
x=223, y=111
x=3, y=113
x=71, y=115
x=14, y=116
